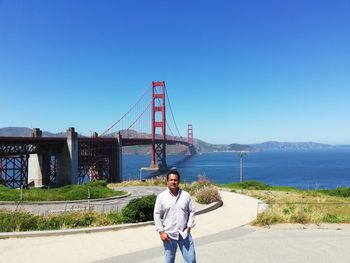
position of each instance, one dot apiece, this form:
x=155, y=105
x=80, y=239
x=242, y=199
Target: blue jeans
x=186, y=247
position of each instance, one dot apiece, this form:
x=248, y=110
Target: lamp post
x=241, y=155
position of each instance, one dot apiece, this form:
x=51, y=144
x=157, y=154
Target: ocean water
x=304, y=169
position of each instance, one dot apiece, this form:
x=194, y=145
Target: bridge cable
x=143, y=95
x=167, y=123
x=172, y=114
x=149, y=104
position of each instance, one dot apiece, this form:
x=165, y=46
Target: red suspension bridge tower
x=190, y=134
x=158, y=122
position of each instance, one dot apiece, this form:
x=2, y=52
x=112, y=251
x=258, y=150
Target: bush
x=266, y=219
x=139, y=209
x=207, y=195
x=194, y=187
x=115, y=218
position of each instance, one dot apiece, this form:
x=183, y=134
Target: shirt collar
x=178, y=193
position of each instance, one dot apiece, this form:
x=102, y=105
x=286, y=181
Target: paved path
x=103, y=205
x=247, y=245
x=220, y=236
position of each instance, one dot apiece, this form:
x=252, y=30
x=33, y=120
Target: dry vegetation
x=297, y=206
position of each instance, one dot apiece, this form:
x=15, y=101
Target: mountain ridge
x=201, y=146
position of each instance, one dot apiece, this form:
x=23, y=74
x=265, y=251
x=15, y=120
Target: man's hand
x=163, y=236
x=188, y=230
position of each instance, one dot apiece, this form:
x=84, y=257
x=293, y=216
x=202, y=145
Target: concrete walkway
x=220, y=236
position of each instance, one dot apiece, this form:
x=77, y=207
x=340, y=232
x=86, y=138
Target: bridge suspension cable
x=126, y=130
x=133, y=106
x=138, y=122
x=172, y=113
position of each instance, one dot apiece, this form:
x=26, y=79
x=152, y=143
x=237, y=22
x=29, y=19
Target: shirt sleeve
x=157, y=215
x=191, y=219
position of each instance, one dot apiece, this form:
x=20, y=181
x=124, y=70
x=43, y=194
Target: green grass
x=137, y=210
x=98, y=189
x=256, y=185
x=13, y=221
x=341, y=191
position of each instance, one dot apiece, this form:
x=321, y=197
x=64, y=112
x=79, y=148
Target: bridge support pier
x=38, y=170
x=67, y=160
x=38, y=166
x=116, y=162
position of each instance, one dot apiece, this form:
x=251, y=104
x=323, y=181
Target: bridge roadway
x=10, y=146
x=115, y=204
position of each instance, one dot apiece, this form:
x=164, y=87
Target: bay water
x=304, y=169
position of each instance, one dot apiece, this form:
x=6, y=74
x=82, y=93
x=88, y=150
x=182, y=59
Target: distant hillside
x=15, y=131
x=273, y=145
x=25, y=132
x=204, y=147
x=201, y=146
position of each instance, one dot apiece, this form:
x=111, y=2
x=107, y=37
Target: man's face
x=173, y=182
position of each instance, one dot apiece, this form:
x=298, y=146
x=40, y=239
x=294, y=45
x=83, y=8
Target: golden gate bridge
x=56, y=161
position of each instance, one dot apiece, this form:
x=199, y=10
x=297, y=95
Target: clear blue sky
x=239, y=71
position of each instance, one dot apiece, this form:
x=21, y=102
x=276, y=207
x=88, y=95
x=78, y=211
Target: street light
x=241, y=155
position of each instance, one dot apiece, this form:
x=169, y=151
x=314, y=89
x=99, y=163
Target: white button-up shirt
x=173, y=214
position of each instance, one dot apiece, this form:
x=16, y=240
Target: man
x=174, y=219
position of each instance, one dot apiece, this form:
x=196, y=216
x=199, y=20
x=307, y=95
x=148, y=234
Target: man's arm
x=191, y=218
x=157, y=216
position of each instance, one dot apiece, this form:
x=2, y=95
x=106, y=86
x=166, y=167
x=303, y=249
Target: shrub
x=115, y=217
x=197, y=185
x=139, y=209
x=267, y=218
x=207, y=195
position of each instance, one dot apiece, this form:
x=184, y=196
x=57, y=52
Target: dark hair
x=176, y=172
